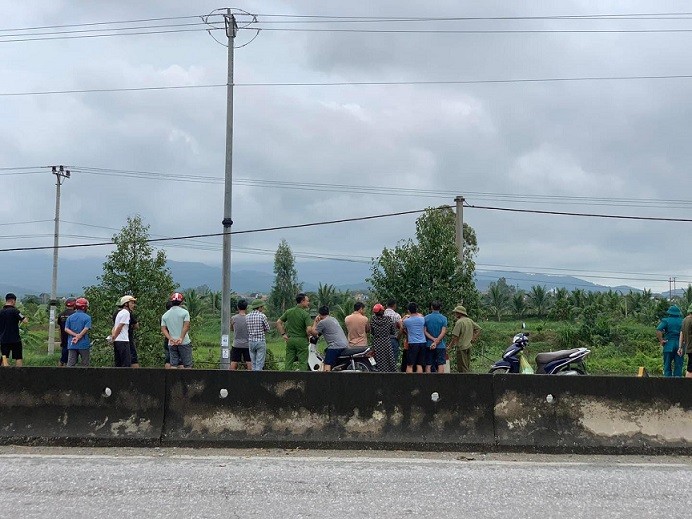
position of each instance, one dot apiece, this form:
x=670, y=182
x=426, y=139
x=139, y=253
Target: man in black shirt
x=62, y=319
x=10, y=341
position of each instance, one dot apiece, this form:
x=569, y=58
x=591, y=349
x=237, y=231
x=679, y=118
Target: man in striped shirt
x=257, y=328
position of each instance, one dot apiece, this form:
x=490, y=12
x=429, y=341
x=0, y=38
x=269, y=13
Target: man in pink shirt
x=358, y=326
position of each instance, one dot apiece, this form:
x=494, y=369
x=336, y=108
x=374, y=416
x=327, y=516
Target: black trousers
x=121, y=354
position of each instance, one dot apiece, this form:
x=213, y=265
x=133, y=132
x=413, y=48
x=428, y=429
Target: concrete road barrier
x=74, y=406
x=593, y=414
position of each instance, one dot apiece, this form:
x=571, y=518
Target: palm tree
x=539, y=298
x=214, y=300
x=519, y=305
x=327, y=295
x=193, y=302
x=498, y=301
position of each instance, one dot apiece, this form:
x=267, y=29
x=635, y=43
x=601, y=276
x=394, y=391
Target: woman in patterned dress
x=381, y=329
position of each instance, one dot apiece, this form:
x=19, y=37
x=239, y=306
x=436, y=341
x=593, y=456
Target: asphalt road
x=170, y=483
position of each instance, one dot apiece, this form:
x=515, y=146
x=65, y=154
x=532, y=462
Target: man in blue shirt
x=668, y=333
x=414, y=325
x=77, y=326
x=435, y=331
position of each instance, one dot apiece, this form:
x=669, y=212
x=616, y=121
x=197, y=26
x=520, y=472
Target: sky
x=309, y=145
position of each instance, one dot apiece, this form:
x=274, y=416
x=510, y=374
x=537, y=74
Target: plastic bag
x=525, y=367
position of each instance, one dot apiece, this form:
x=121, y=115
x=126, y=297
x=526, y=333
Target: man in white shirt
x=120, y=333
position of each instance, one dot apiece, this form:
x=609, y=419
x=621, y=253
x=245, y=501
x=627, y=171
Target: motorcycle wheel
x=571, y=372
x=499, y=370
x=360, y=366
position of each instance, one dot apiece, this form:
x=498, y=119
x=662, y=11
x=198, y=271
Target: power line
x=606, y=16
x=471, y=31
x=356, y=83
x=113, y=29
x=90, y=24
x=593, y=215
x=44, y=38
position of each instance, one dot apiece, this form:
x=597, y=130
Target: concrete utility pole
x=231, y=30
x=60, y=175
x=460, y=226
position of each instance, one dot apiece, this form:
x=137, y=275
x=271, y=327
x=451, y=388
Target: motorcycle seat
x=349, y=352
x=545, y=358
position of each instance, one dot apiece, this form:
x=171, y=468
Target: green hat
x=459, y=309
x=674, y=311
x=257, y=303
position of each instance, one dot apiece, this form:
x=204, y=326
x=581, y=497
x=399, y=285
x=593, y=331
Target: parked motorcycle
x=351, y=359
x=563, y=362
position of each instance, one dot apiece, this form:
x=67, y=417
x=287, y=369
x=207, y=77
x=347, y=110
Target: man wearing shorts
x=414, y=324
x=435, y=331
x=333, y=334
x=175, y=325
x=10, y=341
x=240, y=351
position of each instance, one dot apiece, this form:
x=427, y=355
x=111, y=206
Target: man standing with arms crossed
x=295, y=332
x=10, y=341
x=464, y=333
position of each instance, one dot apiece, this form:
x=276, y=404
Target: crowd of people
x=412, y=342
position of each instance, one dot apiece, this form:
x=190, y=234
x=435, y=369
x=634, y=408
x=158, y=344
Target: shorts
x=415, y=355
x=689, y=362
x=331, y=355
x=181, y=354
x=240, y=354
x=13, y=348
x=436, y=357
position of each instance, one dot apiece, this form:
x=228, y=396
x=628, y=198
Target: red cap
x=377, y=308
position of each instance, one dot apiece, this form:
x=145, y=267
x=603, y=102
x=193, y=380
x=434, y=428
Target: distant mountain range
x=31, y=274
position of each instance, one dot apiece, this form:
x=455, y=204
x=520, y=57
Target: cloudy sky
x=313, y=151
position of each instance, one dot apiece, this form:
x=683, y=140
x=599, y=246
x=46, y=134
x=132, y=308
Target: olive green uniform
x=296, y=321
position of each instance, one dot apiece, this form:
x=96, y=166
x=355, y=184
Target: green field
x=620, y=348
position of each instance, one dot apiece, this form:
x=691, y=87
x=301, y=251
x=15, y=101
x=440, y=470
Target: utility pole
x=231, y=30
x=61, y=174
x=460, y=227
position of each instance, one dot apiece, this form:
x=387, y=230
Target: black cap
x=10, y=296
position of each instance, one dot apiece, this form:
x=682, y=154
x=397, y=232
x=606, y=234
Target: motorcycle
x=563, y=362
x=351, y=359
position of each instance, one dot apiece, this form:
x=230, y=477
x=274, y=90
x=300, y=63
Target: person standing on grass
x=435, y=332
x=357, y=326
x=240, y=350
x=294, y=326
x=10, y=341
x=382, y=328
x=391, y=312
x=328, y=327
x=257, y=327
x=77, y=326
x=668, y=334
x=64, y=337
x=175, y=325
x=685, y=342
x=120, y=333
x=464, y=333
x=414, y=324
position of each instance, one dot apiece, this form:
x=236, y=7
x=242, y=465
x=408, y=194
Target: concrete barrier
x=53, y=406
x=593, y=414
x=71, y=406
x=328, y=410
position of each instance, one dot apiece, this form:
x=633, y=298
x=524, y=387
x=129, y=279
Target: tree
x=327, y=295
x=135, y=268
x=194, y=302
x=428, y=268
x=498, y=298
x=519, y=305
x=539, y=299
x=214, y=301
x=286, y=284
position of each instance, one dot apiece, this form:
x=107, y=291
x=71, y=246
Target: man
x=240, y=350
x=134, y=325
x=121, y=333
x=414, y=325
x=295, y=332
x=357, y=326
x=175, y=325
x=464, y=333
x=396, y=319
x=64, y=337
x=333, y=334
x=686, y=341
x=668, y=334
x=435, y=331
x=10, y=341
x=257, y=327
x=77, y=326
